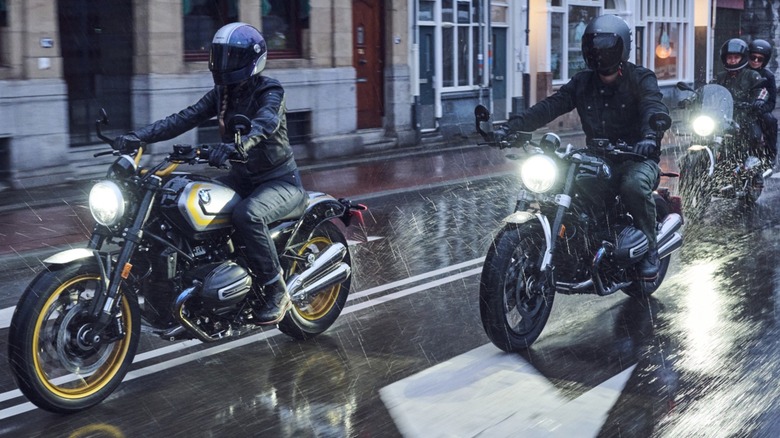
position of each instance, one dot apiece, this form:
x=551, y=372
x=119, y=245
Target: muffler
x=326, y=270
x=669, y=227
x=672, y=244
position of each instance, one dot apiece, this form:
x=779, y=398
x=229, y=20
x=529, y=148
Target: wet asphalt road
x=697, y=359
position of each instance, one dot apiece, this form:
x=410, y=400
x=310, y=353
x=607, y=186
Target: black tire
x=309, y=321
x=512, y=287
x=43, y=348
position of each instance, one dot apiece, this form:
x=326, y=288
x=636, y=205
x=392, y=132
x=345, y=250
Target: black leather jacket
x=618, y=111
x=771, y=89
x=261, y=98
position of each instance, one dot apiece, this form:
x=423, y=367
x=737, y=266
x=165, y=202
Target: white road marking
x=225, y=346
x=486, y=392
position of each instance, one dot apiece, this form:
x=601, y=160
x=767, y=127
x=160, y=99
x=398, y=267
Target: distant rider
x=760, y=52
x=747, y=87
x=614, y=100
x=267, y=180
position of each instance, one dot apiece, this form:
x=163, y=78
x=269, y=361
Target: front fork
x=104, y=304
x=563, y=201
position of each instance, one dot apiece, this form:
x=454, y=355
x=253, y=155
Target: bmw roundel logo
x=205, y=196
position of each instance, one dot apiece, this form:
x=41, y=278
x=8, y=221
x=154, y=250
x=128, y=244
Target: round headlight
x=106, y=203
x=539, y=173
x=703, y=125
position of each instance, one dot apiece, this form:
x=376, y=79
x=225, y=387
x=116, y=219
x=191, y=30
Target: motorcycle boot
x=649, y=265
x=276, y=303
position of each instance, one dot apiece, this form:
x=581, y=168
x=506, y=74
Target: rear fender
x=321, y=208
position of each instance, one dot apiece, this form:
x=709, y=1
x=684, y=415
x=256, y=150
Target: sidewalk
x=38, y=222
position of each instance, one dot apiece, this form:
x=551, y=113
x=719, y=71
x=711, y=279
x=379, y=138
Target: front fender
x=521, y=217
x=68, y=256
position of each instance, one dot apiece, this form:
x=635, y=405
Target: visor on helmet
x=603, y=52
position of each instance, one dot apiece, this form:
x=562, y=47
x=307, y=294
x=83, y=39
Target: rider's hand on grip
x=647, y=147
x=126, y=143
x=219, y=154
x=499, y=136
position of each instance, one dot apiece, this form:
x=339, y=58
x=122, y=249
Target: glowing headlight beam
x=539, y=173
x=106, y=203
x=704, y=125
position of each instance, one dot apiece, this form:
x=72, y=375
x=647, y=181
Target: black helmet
x=762, y=47
x=734, y=46
x=606, y=44
x=238, y=51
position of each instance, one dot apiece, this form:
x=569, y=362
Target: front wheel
x=319, y=312
x=57, y=361
x=515, y=300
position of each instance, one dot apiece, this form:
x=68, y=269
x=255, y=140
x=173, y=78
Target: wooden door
x=368, y=61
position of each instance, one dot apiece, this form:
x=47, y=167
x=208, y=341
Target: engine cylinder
x=226, y=284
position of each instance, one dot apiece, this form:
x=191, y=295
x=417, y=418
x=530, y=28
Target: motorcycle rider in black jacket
x=760, y=52
x=747, y=87
x=263, y=171
x=614, y=100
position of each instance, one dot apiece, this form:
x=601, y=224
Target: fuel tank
x=198, y=204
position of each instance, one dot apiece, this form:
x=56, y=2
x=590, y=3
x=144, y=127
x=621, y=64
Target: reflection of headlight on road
x=539, y=173
x=106, y=203
x=703, y=125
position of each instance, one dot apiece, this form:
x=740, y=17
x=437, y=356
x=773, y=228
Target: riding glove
x=126, y=143
x=758, y=106
x=647, y=147
x=220, y=153
x=498, y=136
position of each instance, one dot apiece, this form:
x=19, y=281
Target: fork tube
x=563, y=200
x=104, y=303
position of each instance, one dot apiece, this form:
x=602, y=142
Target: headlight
x=106, y=203
x=703, y=125
x=539, y=173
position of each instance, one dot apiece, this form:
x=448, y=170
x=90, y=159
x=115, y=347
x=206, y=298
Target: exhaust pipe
x=326, y=270
x=178, y=313
x=671, y=245
x=669, y=227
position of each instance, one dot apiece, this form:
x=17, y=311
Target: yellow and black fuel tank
x=198, y=204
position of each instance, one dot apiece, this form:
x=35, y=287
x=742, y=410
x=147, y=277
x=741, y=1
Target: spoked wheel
x=515, y=301
x=318, y=312
x=59, y=361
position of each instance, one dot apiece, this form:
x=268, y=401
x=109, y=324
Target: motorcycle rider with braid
x=614, y=100
x=263, y=171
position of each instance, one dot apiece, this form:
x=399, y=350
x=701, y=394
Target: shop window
x=284, y=22
x=460, y=42
x=202, y=19
x=567, y=26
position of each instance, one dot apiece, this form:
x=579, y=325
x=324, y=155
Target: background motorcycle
x=162, y=254
x=725, y=151
x=559, y=240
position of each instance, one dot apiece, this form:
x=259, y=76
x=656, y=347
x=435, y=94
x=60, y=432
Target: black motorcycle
x=162, y=254
x=559, y=239
x=726, y=156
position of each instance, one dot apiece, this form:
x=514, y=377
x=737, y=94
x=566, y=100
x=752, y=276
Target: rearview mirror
x=239, y=123
x=660, y=121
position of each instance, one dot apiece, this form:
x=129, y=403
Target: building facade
x=360, y=75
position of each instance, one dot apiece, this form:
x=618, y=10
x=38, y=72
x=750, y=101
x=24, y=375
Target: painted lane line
x=222, y=347
x=7, y=313
x=486, y=392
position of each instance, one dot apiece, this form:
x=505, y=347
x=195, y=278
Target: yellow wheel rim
x=51, y=343
x=324, y=301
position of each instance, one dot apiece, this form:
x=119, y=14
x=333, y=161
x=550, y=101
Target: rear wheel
x=515, y=300
x=59, y=363
x=319, y=312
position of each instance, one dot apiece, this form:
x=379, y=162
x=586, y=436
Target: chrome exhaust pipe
x=671, y=245
x=320, y=266
x=669, y=226
x=335, y=276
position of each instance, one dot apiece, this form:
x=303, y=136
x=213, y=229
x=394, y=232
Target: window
x=460, y=42
x=283, y=24
x=666, y=28
x=3, y=13
x=202, y=19
x=568, y=22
